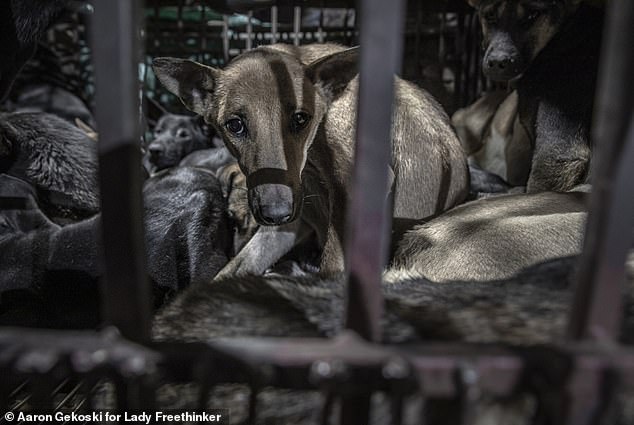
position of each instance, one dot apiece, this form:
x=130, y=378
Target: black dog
x=42, y=97
x=187, y=229
x=51, y=274
x=549, y=49
x=174, y=137
x=57, y=158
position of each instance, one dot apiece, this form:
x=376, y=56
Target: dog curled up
x=548, y=50
x=288, y=115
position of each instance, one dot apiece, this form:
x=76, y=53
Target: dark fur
x=305, y=171
x=213, y=159
x=50, y=274
x=234, y=189
x=57, y=158
x=22, y=24
x=555, y=60
x=48, y=98
x=528, y=308
x=187, y=230
x=174, y=137
x=483, y=183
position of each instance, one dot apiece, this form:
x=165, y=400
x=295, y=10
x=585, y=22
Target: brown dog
x=288, y=115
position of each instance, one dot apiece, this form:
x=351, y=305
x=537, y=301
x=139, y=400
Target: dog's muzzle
x=272, y=199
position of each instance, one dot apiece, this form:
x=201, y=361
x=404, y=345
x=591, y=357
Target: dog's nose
x=155, y=151
x=500, y=63
x=272, y=204
x=276, y=214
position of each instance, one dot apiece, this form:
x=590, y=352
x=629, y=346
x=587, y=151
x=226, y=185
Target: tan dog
x=288, y=115
x=494, y=138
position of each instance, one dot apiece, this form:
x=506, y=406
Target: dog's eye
x=300, y=119
x=236, y=126
x=182, y=133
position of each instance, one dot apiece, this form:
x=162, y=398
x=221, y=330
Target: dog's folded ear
x=333, y=72
x=191, y=81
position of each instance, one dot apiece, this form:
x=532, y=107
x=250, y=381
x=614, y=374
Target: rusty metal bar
x=126, y=294
x=596, y=310
x=368, y=218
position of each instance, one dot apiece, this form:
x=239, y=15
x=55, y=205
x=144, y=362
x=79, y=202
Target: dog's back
x=495, y=238
x=420, y=131
x=56, y=157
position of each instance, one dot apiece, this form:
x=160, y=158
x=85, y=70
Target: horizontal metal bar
x=306, y=363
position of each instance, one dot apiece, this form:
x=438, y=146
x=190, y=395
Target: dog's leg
x=561, y=159
x=268, y=245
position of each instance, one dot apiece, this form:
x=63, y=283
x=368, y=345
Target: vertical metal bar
x=320, y=30
x=249, y=43
x=297, y=24
x=368, y=221
x=273, y=24
x=179, y=24
x=225, y=38
x=596, y=311
x=126, y=295
x=203, y=32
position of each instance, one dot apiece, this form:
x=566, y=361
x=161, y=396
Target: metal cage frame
x=582, y=369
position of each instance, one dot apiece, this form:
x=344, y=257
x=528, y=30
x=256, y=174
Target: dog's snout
x=503, y=60
x=155, y=150
x=272, y=204
x=503, y=66
x=501, y=63
x=276, y=214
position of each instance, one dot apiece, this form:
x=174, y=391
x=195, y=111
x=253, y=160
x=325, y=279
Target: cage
x=107, y=376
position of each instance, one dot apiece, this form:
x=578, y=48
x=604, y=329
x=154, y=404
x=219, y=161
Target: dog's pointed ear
x=191, y=81
x=474, y=3
x=333, y=72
